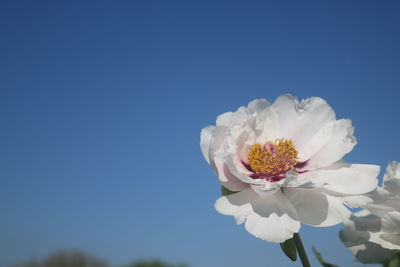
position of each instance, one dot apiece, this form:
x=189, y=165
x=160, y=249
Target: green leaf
x=392, y=261
x=225, y=191
x=288, y=247
x=321, y=260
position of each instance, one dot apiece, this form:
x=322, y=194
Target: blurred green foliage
x=154, y=263
x=66, y=259
x=81, y=259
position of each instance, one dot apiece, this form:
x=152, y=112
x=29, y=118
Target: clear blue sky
x=102, y=103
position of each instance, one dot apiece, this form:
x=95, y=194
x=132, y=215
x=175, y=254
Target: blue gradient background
x=102, y=104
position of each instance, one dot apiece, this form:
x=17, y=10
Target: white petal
x=317, y=208
x=313, y=114
x=238, y=170
x=391, y=222
x=270, y=217
x=378, y=196
x=217, y=142
x=379, y=229
x=283, y=113
x=329, y=145
x=205, y=140
x=266, y=187
x=216, y=147
x=392, y=239
x=285, y=107
x=352, y=238
x=242, y=113
x=365, y=229
x=300, y=121
x=360, y=236
x=270, y=126
x=349, y=178
x=232, y=118
x=226, y=178
x=357, y=201
x=341, y=178
x=237, y=205
x=224, y=119
x=307, y=180
x=383, y=208
x=366, y=251
x=391, y=179
x=364, y=221
x=385, y=240
x=392, y=171
x=257, y=105
x=238, y=140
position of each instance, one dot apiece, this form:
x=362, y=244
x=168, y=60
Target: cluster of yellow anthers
x=272, y=158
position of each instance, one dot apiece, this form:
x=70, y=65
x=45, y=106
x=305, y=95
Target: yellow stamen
x=272, y=158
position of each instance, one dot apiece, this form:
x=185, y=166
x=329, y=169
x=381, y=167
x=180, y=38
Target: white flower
x=373, y=234
x=286, y=161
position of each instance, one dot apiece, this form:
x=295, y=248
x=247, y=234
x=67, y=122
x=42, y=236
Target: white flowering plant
x=281, y=164
x=373, y=233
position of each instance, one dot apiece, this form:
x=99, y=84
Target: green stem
x=300, y=250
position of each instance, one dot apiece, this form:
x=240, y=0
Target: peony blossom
x=373, y=234
x=285, y=162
